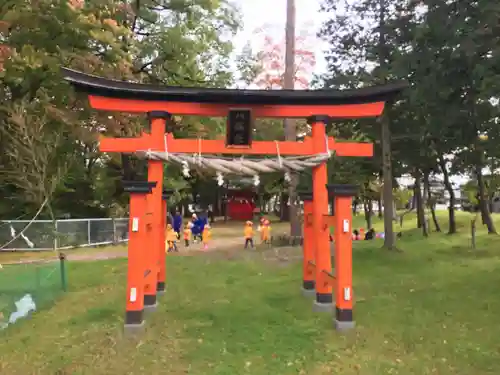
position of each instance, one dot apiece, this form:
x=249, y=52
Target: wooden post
x=154, y=200
x=343, y=255
x=137, y=246
x=308, y=277
x=324, y=298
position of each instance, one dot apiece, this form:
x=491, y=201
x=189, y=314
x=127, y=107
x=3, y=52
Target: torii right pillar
x=343, y=195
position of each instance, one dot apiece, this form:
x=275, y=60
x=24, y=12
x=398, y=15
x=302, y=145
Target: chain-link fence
x=29, y=287
x=61, y=234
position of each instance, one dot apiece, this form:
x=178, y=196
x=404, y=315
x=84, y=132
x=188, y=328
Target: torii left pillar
x=309, y=250
x=322, y=255
x=137, y=247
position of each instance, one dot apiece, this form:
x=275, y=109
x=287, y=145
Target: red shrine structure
x=146, y=249
x=240, y=204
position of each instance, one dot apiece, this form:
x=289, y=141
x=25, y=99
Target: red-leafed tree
x=271, y=58
x=262, y=65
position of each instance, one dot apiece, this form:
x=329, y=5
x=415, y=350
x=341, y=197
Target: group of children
x=264, y=229
x=172, y=235
x=360, y=235
x=369, y=235
x=191, y=229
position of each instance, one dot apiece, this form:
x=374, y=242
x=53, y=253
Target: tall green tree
x=172, y=42
x=360, y=53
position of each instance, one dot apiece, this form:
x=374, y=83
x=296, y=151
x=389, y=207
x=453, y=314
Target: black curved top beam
x=98, y=86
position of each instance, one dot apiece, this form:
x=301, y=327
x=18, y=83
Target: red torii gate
x=160, y=103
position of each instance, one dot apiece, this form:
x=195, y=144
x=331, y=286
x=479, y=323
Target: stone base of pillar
x=343, y=319
x=132, y=330
x=134, y=322
x=322, y=307
x=308, y=288
x=309, y=293
x=343, y=326
x=160, y=287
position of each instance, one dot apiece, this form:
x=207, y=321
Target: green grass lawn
x=41, y=280
x=431, y=309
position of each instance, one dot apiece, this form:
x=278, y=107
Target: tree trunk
x=380, y=209
x=387, y=189
x=416, y=205
x=483, y=201
x=420, y=204
x=386, y=136
x=430, y=202
x=128, y=172
x=284, y=207
x=449, y=187
x=473, y=233
x=368, y=207
x=290, y=125
x=425, y=190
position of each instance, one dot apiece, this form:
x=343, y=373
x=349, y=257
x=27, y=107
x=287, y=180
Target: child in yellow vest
x=187, y=234
x=206, y=236
x=248, y=233
x=171, y=239
x=265, y=231
x=259, y=229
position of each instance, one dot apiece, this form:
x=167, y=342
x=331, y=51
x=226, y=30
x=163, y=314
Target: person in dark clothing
x=177, y=224
x=195, y=228
x=370, y=235
x=202, y=221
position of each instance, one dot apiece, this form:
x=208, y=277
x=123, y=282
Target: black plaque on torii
x=239, y=128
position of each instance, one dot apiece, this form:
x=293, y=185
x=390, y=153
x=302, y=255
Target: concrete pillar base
x=309, y=293
x=322, y=307
x=131, y=330
x=343, y=326
x=150, y=308
x=160, y=287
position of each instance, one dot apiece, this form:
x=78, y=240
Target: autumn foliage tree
x=262, y=65
x=48, y=133
x=270, y=59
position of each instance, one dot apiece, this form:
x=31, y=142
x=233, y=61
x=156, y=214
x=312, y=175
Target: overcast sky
x=257, y=13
